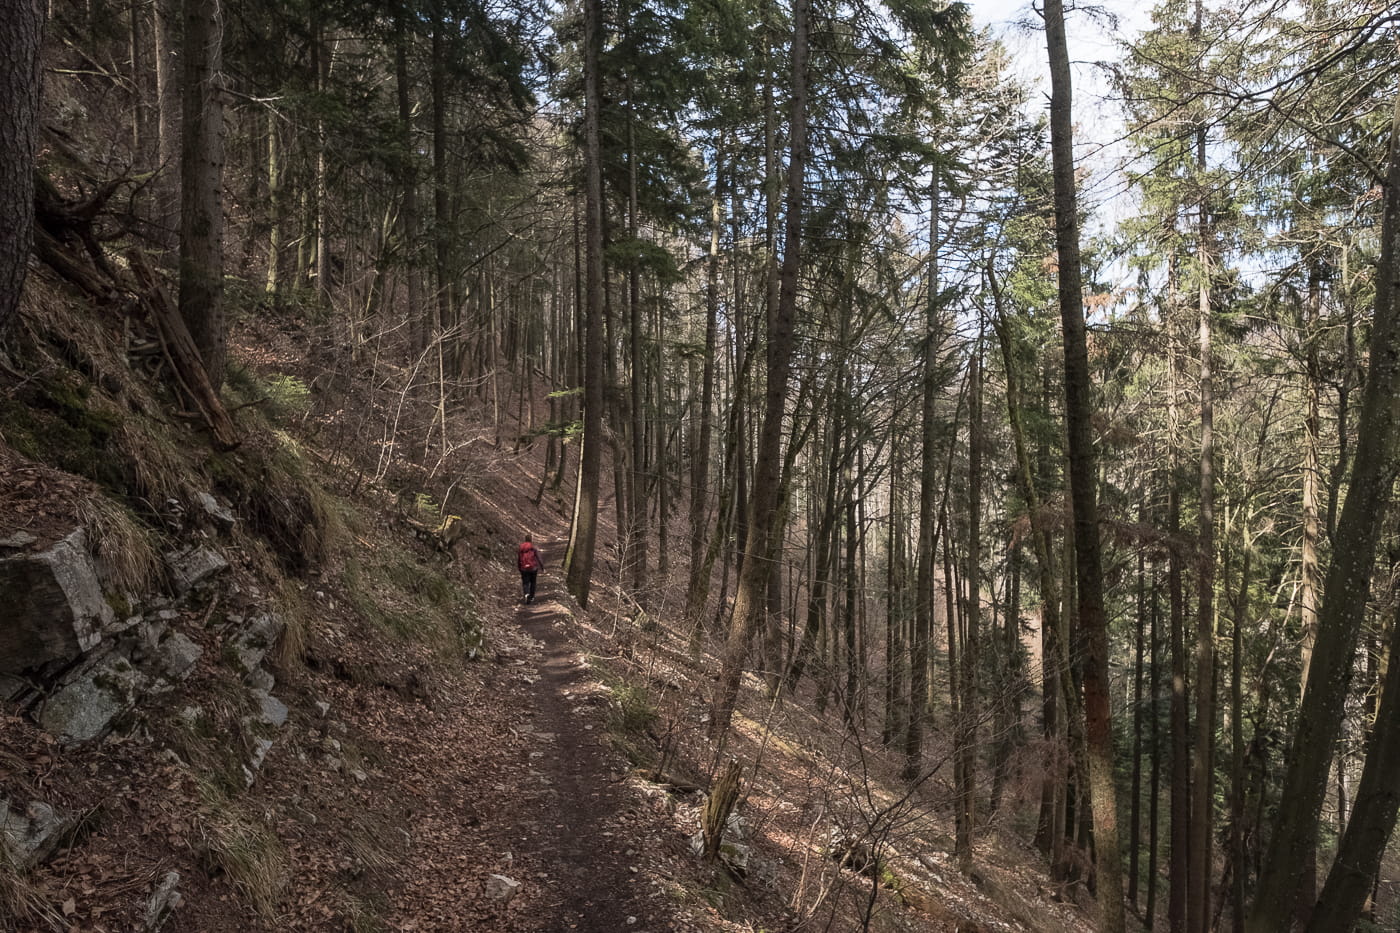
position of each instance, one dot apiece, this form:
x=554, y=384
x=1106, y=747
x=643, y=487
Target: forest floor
x=550, y=779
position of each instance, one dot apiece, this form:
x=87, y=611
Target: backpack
x=529, y=558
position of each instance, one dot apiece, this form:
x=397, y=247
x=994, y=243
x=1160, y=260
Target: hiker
x=530, y=563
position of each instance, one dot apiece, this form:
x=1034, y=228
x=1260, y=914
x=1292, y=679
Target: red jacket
x=529, y=558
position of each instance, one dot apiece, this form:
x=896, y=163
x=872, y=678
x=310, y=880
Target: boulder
x=84, y=708
x=54, y=607
x=32, y=836
x=192, y=565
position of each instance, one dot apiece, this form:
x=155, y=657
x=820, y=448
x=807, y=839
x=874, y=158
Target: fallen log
x=62, y=261
x=180, y=350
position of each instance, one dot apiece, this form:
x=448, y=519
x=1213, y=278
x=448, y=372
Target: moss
x=56, y=425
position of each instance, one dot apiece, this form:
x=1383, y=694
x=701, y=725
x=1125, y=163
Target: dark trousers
x=527, y=583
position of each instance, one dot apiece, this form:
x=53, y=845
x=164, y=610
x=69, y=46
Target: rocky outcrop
x=54, y=606
x=84, y=706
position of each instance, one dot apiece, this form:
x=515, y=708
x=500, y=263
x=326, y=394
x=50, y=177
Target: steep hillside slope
x=297, y=691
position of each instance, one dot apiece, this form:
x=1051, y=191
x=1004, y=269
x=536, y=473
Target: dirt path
x=582, y=797
x=523, y=783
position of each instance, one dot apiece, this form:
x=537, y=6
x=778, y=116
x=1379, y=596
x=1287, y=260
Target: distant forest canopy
x=810, y=276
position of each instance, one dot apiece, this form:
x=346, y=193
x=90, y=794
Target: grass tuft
x=123, y=546
x=252, y=857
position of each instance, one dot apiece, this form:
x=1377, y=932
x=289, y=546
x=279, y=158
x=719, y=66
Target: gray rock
x=84, y=708
x=54, y=606
x=260, y=680
x=271, y=711
x=261, y=746
x=270, y=716
x=31, y=837
x=177, y=656
x=17, y=541
x=323, y=708
x=216, y=511
x=193, y=565
x=251, y=645
x=501, y=888
x=163, y=902
x=122, y=626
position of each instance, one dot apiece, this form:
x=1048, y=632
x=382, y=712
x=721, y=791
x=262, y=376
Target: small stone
x=359, y=776
x=252, y=644
x=260, y=680
x=164, y=900
x=31, y=837
x=18, y=540
x=271, y=711
x=178, y=655
x=323, y=708
x=501, y=888
x=194, y=565
x=215, y=510
x=631, y=921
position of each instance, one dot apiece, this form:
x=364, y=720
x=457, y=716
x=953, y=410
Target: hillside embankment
x=289, y=685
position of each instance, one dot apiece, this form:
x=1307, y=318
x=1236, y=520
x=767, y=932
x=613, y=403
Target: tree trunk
x=1344, y=601
x=21, y=37
x=1150, y=909
x=419, y=333
x=201, y=186
x=1082, y=477
x=636, y=555
x=925, y=551
x=966, y=732
x=580, y=557
x=1180, y=830
x=1198, y=913
x=1346, y=591
x=167, y=41
x=700, y=450
x=1135, y=795
x=1237, y=786
x=749, y=598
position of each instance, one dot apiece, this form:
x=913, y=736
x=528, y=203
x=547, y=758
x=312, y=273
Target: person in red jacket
x=530, y=562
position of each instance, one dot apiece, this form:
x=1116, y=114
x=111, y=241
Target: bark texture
x=21, y=28
x=201, y=186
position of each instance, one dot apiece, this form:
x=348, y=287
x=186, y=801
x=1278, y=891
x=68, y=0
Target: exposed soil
x=520, y=781
x=594, y=885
